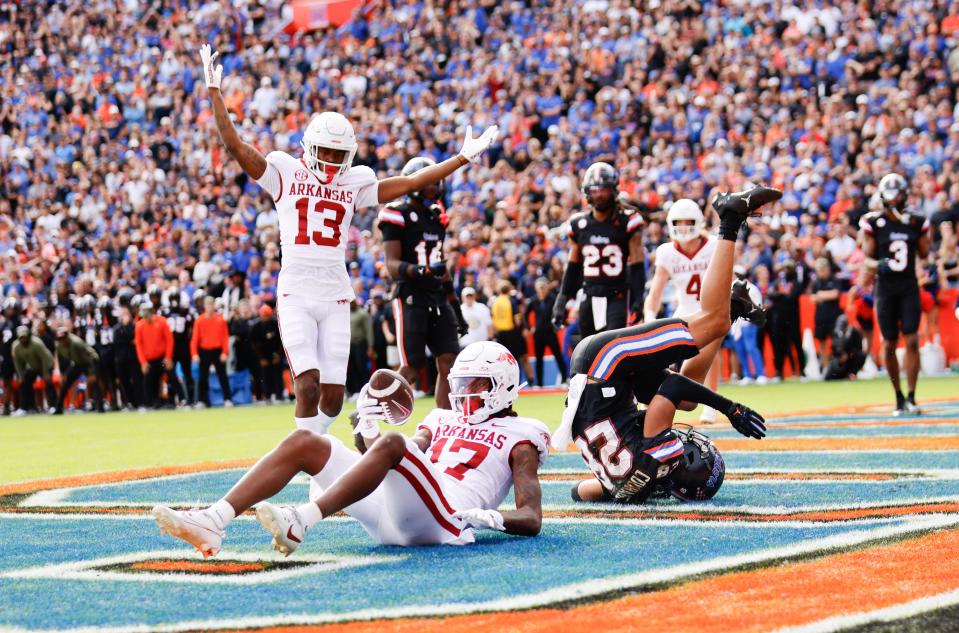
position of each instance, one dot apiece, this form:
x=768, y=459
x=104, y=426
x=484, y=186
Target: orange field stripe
x=840, y=514
x=750, y=476
x=774, y=444
x=197, y=567
x=746, y=601
x=120, y=475
x=861, y=423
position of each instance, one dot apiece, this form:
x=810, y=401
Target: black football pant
x=182, y=358
x=786, y=336
x=73, y=374
x=129, y=379
x=358, y=368
x=270, y=380
x=152, y=381
x=546, y=337
x=26, y=390
x=616, y=316
x=212, y=357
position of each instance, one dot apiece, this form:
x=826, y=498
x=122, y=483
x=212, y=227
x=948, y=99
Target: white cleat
x=284, y=524
x=196, y=527
x=708, y=416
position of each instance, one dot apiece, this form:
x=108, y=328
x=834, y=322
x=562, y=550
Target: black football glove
x=462, y=327
x=747, y=421
x=438, y=269
x=559, y=312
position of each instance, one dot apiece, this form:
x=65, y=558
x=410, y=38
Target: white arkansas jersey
x=686, y=272
x=314, y=221
x=474, y=458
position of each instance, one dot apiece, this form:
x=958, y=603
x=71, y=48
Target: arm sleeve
x=634, y=222
x=225, y=336
x=637, y=284
x=139, y=343
x=195, y=337
x=167, y=341
x=368, y=194
x=272, y=180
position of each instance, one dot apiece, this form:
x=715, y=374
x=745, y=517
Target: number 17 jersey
x=314, y=221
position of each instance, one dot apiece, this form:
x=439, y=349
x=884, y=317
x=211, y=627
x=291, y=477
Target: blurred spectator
x=783, y=320
x=746, y=341
x=508, y=323
x=210, y=345
x=154, y=347
x=478, y=318
x=361, y=348
x=265, y=339
x=128, y=367
x=540, y=308
x=825, y=291
x=33, y=361
x=82, y=360
x=847, y=356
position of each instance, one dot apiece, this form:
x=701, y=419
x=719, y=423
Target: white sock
x=222, y=512
x=310, y=514
x=319, y=423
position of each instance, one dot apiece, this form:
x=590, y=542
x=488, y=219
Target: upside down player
x=434, y=488
x=425, y=307
x=891, y=239
x=684, y=261
x=632, y=453
x=315, y=198
x=606, y=258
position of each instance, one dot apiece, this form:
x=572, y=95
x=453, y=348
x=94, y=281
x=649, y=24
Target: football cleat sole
x=171, y=523
x=268, y=519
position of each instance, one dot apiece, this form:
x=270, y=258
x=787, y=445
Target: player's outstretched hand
x=480, y=519
x=747, y=421
x=473, y=147
x=212, y=74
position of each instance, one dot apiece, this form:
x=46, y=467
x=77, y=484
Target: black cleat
x=742, y=306
x=900, y=409
x=745, y=203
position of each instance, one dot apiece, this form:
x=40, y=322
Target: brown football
x=392, y=391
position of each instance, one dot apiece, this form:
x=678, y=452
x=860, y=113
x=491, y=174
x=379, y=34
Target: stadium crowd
x=118, y=203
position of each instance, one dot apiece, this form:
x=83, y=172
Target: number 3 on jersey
x=900, y=255
x=332, y=216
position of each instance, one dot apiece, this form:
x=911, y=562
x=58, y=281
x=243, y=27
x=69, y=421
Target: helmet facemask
x=684, y=230
x=326, y=171
x=471, y=397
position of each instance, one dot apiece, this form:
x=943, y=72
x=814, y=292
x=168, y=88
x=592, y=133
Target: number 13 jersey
x=897, y=241
x=314, y=222
x=474, y=459
x=686, y=272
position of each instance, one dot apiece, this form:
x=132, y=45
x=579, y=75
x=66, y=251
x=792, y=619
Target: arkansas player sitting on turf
x=436, y=487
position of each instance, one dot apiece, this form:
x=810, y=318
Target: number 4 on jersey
x=694, y=286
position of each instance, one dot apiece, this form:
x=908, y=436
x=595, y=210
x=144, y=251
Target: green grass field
x=45, y=446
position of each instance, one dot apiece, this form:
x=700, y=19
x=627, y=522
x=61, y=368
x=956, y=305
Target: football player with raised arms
x=683, y=261
x=315, y=197
x=606, y=258
x=891, y=240
x=632, y=453
x=434, y=488
x=426, y=310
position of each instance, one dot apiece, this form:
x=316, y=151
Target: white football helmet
x=685, y=209
x=330, y=130
x=484, y=380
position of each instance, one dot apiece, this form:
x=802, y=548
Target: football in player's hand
x=393, y=393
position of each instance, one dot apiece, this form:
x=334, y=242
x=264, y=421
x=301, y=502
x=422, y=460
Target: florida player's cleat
x=912, y=407
x=745, y=203
x=196, y=527
x=742, y=305
x=284, y=524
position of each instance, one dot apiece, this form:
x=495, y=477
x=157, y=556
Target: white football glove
x=480, y=519
x=212, y=74
x=473, y=147
x=370, y=414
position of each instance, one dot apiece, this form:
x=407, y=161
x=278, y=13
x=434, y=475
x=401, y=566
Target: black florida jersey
x=897, y=242
x=605, y=249
x=181, y=324
x=421, y=233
